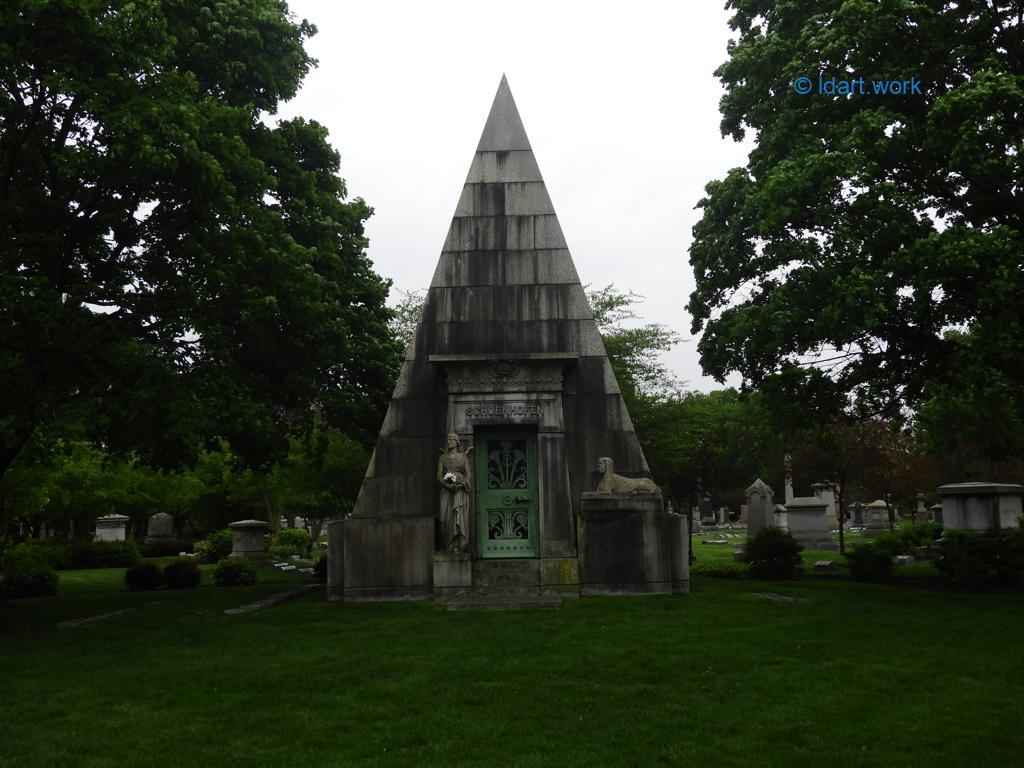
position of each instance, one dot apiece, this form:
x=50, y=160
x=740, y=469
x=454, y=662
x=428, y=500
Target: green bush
x=183, y=573
x=235, y=572
x=870, y=562
x=143, y=577
x=55, y=552
x=892, y=544
x=969, y=560
x=28, y=577
x=215, y=547
x=290, y=541
x=104, y=554
x=919, y=534
x=772, y=553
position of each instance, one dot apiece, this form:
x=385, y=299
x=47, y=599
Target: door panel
x=506, y=494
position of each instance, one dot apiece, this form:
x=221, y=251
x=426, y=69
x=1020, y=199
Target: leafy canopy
x=177, y=266
x=864, y=228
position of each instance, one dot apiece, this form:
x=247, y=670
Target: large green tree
x=864, y=229
x=175, y=265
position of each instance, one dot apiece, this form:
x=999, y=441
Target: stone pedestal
x=626, y=545
x=111, y=527
x=453, y=574
x=808, y=522
x=760, y=507
x=985, y=508
x=160, y=528
x=247, y=539
x=381, y=558
x=876, y=519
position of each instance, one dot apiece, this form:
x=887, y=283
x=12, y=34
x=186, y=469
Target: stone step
x=502, y=602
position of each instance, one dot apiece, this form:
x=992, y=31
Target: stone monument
x=111, y=527
x=159, y=529
x=985, y=508
x=826, y=492
x=808, y=522
x=248, y=539
x=760, y=507
x=876, y=519
x=508, y=367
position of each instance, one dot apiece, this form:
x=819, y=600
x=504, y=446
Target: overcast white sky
x=618, y=100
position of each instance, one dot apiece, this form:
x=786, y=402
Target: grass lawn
x=851, y=675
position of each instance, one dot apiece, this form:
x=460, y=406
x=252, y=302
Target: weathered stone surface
x=760, y=507
x=247, y=539
x=488, y=268
x=985, y=508
x=453, y=574
x=112, y=527
x=504, y=128
x=625, y=545
x=826, y=566
x=160, y=528
x=503, y=166
x=876, y=519
x=807, y=516
x=506, y=575
x=560, y=574
x=384, y=558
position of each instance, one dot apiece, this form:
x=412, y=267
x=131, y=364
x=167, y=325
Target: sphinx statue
x=617, y=485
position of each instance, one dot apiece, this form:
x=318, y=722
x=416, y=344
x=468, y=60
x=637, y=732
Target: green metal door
x=506, y=494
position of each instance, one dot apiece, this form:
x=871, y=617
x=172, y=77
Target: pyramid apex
x=504, y=129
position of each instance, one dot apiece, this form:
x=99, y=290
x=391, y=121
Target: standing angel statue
x=454, y=475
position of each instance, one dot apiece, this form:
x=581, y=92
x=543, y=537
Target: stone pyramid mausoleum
x=507, y=358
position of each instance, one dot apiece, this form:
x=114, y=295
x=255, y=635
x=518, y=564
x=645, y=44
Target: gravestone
x=707, y=512
x=856, y=512
x=159, y=529
x=935, y=513
x=781, y=517
x=248, y=539
x=760, y=507
x=111, y=527
x=503, y=407
x=985, y=508
x=808, y=522
x=921, y=512
x=876, y=519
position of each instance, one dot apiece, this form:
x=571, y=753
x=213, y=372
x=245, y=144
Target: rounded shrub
x=29, y=577
x=870, y=562
x=143, y=577
x=105, y=554
x=290, y=541
x=183, y=573
x=235, y=572
x=772, y=553
x=214, y=547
